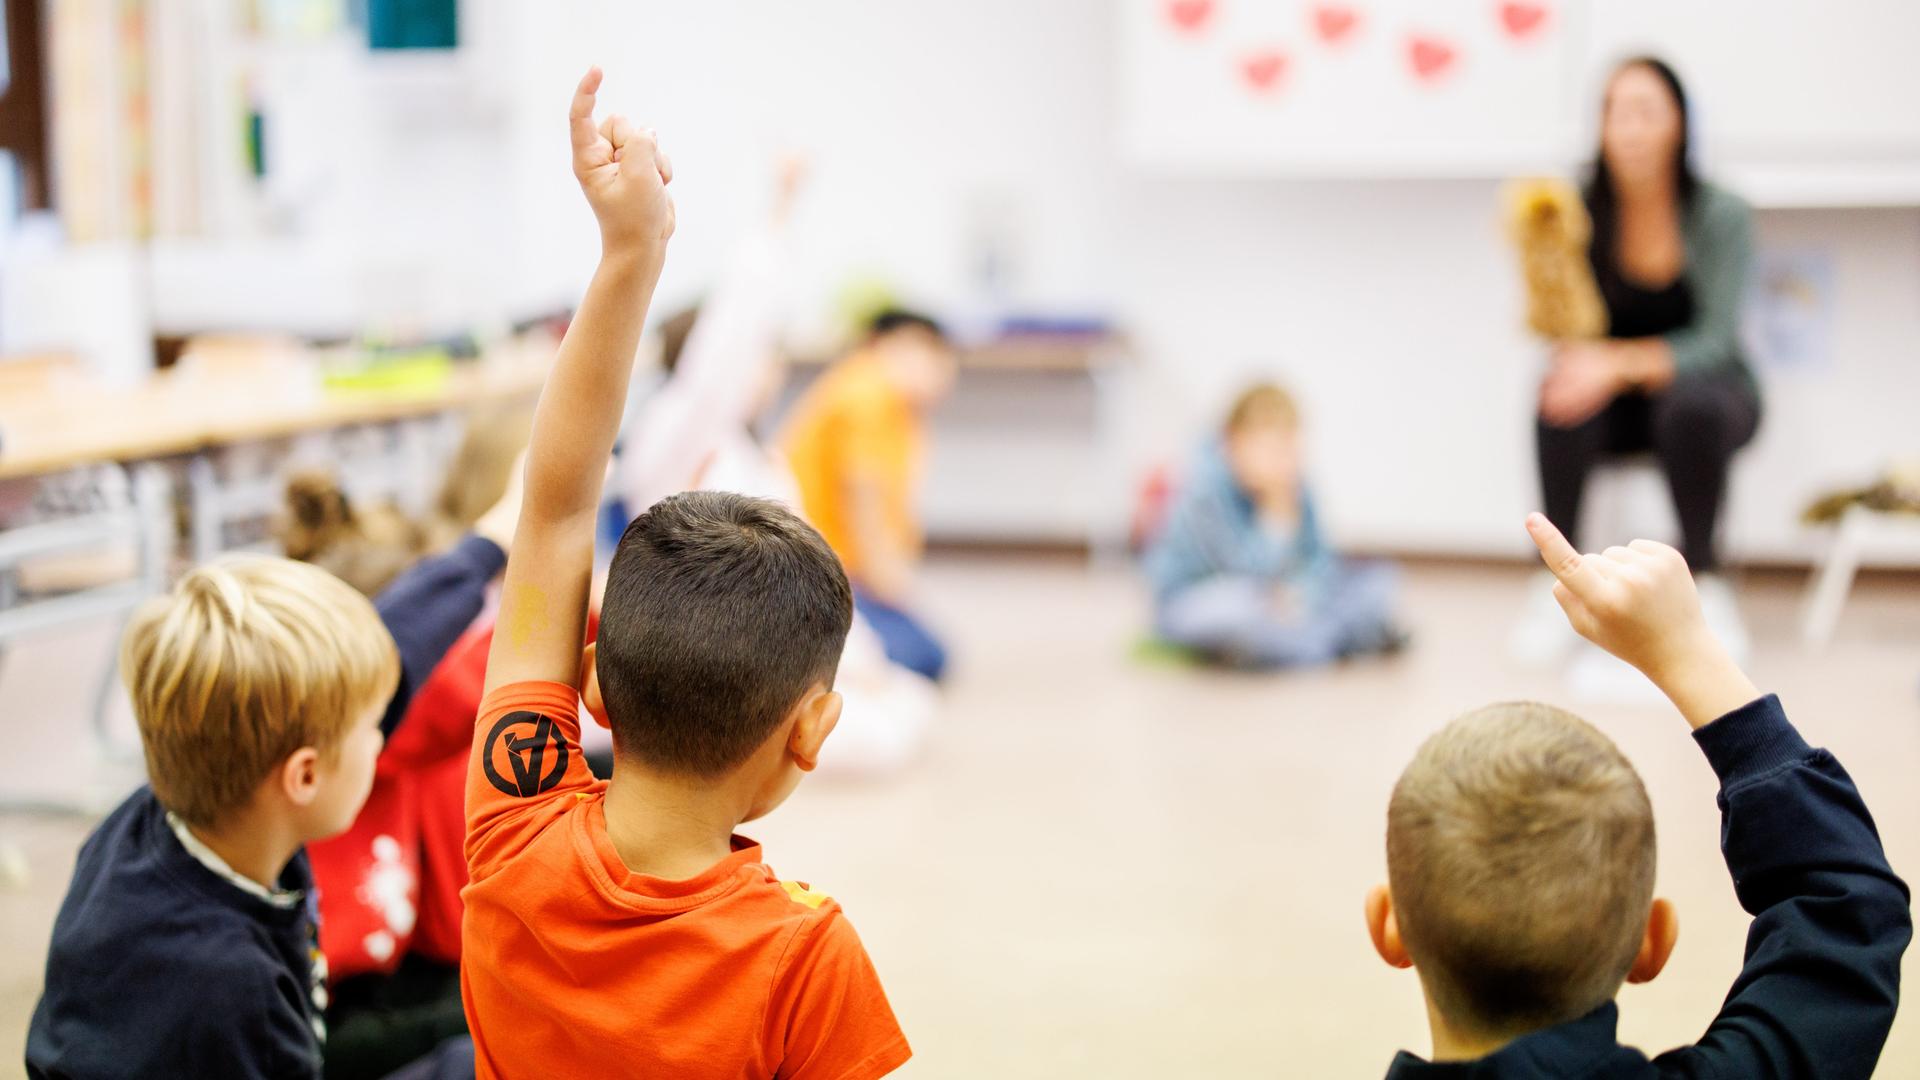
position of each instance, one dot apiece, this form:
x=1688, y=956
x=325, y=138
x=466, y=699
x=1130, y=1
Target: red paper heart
x=1263, y=69
x=1189, y=15
x=1522, y=19
x=1334, y=22
x=1430, y=57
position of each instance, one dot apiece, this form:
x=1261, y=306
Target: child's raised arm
x=1638, y=603
x=544, y=600
x=1821, y=982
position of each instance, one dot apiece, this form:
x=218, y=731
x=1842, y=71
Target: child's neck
x=256, y=847
x=669, y=826
x=1451, y=1045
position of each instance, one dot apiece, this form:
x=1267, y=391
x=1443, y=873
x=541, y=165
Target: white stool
x=1861, y=532
x=1627, y=499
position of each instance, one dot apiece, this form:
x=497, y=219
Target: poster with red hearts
x=1352, y=87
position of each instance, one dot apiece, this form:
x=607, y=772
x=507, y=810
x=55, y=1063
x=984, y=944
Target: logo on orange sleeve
x=532, y=751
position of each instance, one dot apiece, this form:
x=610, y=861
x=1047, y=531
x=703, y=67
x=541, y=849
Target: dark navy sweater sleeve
x=1821, y=982
x=428, y=607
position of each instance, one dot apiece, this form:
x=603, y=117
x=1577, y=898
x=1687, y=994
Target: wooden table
x=223, y=392
x=230, y=394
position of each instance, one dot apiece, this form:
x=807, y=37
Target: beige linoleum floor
x=1108, y=868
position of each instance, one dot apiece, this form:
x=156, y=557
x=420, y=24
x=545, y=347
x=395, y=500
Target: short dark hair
x=892, y=319
x=720, y=611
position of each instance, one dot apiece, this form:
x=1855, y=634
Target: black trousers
x=1693, y=427
x=379, y=1023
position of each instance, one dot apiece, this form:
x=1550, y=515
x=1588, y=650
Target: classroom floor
x=1104, y=866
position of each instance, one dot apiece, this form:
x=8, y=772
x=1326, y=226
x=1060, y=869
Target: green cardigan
x=1718, y=234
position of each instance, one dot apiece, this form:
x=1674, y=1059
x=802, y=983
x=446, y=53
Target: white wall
x=1390, y=305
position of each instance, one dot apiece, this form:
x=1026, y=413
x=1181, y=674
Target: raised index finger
x=1559, y=555
x=580, y=112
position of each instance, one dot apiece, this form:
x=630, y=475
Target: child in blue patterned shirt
x=1240, y=571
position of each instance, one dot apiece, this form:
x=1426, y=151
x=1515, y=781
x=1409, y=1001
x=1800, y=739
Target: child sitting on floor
x=1240, y=571
x=621, y=927
x=856, y=441
x=1520, y=861
x=696, y=432
x=186, y=945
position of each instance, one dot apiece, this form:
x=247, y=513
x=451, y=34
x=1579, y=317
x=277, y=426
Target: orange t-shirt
x=853, y=425
x=574, y=966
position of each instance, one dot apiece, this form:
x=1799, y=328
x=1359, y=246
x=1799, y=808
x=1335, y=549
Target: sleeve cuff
x=1752, y=740
x=482, y=554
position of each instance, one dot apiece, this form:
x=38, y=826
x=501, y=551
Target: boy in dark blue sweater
x=1520, y=856
x=187, y=944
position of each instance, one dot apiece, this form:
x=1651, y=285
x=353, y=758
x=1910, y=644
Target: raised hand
x=624, y=175
x=790, y=175
x=1638, y=602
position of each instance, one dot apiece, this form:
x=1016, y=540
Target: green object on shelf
x=1158, y=652
x=418, y=371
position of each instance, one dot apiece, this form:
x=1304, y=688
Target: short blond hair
x=248, y=659
x=1520, y=855
x=1262, y=405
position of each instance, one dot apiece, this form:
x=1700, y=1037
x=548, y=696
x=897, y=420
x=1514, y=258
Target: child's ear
x=1663, y=933
x=299, y=776
x=814, y=720
x=590, y=685
x=1385, y=929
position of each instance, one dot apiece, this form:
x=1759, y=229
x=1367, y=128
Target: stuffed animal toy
x=1898, y=492
x=1548, y=223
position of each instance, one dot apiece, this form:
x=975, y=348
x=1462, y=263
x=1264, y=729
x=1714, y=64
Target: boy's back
x=1520, y=851
x=624, y=928
x=187, y=945
x=211, y=971
x=572, y=960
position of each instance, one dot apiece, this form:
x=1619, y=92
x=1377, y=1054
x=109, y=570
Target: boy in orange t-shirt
x=856, y=443
x=621, y=928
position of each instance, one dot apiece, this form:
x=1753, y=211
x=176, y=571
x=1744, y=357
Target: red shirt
x=574, y=966
x=391, y=884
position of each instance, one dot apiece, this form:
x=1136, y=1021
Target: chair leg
x=104, y=696
x=1828, y=593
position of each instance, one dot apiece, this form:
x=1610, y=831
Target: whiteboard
x=1817, y=98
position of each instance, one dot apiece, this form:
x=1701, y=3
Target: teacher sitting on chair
x=1670, y=254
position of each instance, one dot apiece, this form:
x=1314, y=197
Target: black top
x=1635, y=311
x=159, y=967
x=1830, y=922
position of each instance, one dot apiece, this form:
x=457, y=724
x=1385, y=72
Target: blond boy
x=1520, y=859
x=186, y=945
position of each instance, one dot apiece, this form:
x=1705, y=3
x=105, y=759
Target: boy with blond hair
x=186, y=943
x=264, y=688
x=1520, y=864
x=622, y=928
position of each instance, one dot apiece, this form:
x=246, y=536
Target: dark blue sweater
x=159, y=967
x=1830, y=922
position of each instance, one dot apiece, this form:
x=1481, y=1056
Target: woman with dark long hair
x=1671, y=254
